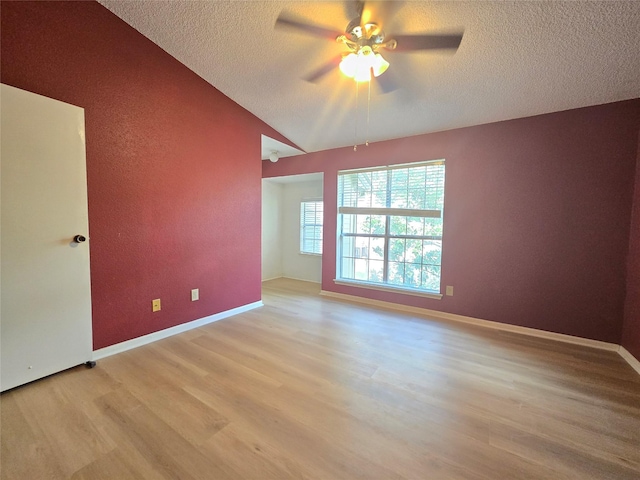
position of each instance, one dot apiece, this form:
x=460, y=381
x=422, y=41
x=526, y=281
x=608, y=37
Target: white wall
x=294, y=264
x=272, y=194
x=281, y=255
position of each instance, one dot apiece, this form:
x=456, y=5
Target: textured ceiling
x=516, y=59
x=270, y=145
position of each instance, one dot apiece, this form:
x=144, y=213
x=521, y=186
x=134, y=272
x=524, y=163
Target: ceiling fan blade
x=379, y=12
x=286, y=21
x=318, y=73
x=387, y=82
x=353, y=8
x=411, y=43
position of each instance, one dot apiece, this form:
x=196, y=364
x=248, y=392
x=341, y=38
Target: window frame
x=387, y=211
x=304, y=224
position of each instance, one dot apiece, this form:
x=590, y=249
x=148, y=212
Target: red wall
x=173, y=166
x=631, y=327
x=537, y=216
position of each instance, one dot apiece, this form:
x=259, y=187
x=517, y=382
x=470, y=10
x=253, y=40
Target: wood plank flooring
x=312, y=388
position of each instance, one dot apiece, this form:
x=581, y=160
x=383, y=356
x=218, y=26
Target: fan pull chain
x=366, y=137
x=355, y=133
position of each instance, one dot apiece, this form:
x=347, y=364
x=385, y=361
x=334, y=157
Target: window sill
x=387, y=288
x=311, y=254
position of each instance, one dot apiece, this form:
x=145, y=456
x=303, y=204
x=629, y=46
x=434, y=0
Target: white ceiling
x=516, y=59
x=303, y=177
x=271, y=145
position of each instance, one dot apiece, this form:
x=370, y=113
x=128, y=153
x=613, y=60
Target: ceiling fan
x=365, y=39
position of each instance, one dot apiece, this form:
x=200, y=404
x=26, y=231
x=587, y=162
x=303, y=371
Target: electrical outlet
x=449, y=290
x=195, y=294
x=155, y=305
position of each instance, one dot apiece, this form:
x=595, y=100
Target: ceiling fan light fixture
x=380, y=65
x=363, y=72
x=359, y=66
x=349, y=65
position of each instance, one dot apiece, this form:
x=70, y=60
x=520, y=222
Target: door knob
x=79, y=238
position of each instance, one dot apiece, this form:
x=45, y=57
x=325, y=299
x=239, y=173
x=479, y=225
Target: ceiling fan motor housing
x=368, y=35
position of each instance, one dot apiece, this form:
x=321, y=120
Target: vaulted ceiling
x=516, y=59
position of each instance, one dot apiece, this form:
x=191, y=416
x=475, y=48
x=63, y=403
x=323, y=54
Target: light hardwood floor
x=313, y=388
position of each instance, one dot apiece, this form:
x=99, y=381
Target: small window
x=311, y=216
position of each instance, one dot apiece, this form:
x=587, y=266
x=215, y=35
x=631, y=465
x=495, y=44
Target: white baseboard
x=155, y=336
x=271, y=278
x=293, y=278
x=302, y=279
x=532, y=332
x=631, y=360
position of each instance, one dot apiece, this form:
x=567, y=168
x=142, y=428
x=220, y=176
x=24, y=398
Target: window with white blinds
x=390, y=226
x=311, y=217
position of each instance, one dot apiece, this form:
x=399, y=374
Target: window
x=390, y=226
x=311, y=214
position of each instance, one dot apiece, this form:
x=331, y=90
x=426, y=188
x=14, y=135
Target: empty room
x=320, y=240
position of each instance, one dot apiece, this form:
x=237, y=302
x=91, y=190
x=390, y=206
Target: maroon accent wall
x=173, y=166
x=631, y=327
x=536, y=217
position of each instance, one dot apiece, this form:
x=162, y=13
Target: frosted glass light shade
x=361, y=65
x=380, y=65
x=349, y=64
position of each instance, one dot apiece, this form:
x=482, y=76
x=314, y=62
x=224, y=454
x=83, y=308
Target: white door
x=45, y=302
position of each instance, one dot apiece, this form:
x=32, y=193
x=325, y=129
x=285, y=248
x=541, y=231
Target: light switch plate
x=195, y=294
